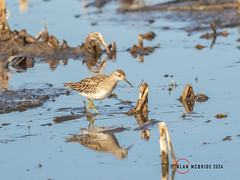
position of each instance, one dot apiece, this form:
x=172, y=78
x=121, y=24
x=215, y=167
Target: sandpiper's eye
x=119, y=75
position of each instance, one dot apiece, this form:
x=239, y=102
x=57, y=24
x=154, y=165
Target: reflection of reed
x=53, y=63
x=23, y=5
x=188, y=105
x=18, y=62
x=4, y=77
x=140, y=49
x=141, y=120
x=100, y=139
x=95, y=65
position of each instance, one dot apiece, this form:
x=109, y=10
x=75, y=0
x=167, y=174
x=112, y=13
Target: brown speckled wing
x=87, y=85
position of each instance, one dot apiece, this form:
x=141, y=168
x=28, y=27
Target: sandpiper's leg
x=94, y=108
x=91, y=105
x=100, y=103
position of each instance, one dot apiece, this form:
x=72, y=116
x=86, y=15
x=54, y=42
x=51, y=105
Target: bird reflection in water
x=96, y=65
x=101, y=139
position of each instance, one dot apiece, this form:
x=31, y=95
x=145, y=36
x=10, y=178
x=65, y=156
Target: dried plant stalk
x=188, y=93
x=3, y=12
x=141, y=105
x=142, y=102
x=170, y=146
x=238, y=4
x=188, y=98
x=164, y=142
x=99, y=37
x=2, y=5
x=214, y=30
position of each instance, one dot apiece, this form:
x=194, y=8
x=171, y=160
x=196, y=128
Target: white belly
x=99, y=96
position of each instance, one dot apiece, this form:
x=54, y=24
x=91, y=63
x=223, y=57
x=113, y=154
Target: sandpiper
x=97, y=87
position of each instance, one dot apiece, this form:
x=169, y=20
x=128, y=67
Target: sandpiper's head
x=119, y=75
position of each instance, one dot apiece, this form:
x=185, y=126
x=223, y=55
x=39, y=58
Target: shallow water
x=217, y=71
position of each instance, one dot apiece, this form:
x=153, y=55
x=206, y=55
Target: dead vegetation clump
x=221, y=116
x=20, y=62
x=188, y=98
x=140, y=49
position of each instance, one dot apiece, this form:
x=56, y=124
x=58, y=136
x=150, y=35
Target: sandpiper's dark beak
x=127, y=82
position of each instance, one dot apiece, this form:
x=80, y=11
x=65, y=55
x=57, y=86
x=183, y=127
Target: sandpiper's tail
x=73, y=86
x=68, y=85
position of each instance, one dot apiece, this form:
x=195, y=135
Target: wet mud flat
x=199, y=14
x=24, y=99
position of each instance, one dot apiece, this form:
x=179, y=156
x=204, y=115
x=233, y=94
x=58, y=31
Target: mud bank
x=223, y=13
x=24, y=99
x=44, y=45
